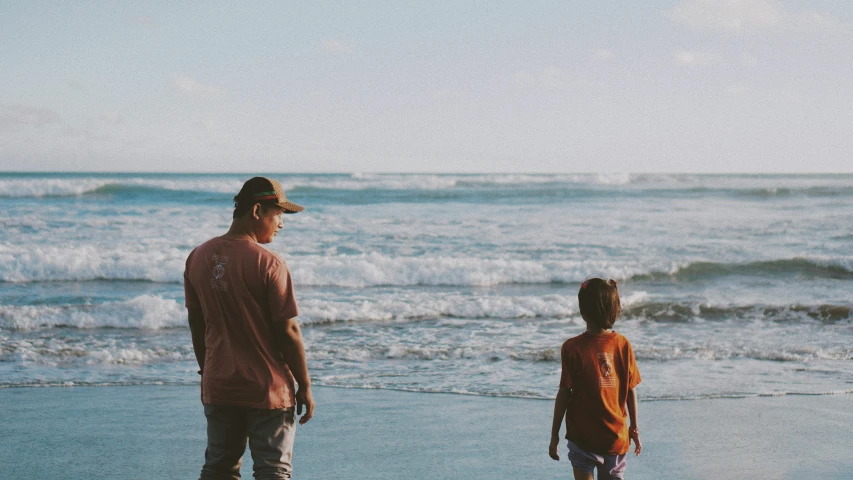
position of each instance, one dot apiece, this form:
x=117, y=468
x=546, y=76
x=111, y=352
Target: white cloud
x=743, y=16
x=192, y=86
x=334, y=46
x=13, y=116
x=699, y=59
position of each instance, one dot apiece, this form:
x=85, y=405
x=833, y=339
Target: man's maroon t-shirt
x=242, y=289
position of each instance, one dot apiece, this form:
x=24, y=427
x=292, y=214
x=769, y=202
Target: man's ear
x=256, y=211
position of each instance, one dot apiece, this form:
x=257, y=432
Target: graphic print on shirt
x=606, y=379
x=218, y=273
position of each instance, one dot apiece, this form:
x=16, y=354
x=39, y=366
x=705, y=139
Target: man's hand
x=304, y=397
x=552, y=449
x=634, y=435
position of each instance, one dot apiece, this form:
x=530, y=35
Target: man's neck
x=239, y=231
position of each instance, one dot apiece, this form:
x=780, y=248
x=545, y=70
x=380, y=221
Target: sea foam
x=141, y=312
x=33, y=263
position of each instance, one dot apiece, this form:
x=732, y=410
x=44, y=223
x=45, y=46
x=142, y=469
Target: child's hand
x=634, y=434
x=552, y=449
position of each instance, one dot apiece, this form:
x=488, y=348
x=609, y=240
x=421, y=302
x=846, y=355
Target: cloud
x=14, y=116
x=743, y=16
x=699, y=59
x=334, y=46
x=192, y=86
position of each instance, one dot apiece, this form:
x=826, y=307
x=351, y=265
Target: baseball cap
x=267, y=192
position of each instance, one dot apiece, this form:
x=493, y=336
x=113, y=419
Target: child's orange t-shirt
x=599, y=370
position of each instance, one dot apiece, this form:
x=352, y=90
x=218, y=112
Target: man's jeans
x=270, y=434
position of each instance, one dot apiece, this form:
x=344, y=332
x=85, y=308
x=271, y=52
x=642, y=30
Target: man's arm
x=289, y=338
x=633, y=430
x=196, y=318
x=561, y=404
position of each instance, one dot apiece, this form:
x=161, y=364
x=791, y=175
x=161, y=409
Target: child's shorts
x=609, y=466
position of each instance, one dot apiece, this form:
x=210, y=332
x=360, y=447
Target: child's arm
x=561, y=404
x=633, y=431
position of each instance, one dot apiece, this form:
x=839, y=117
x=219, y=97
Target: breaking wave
x=154, y=312
x=142, y=312
x=33, y=263
x=757, y=187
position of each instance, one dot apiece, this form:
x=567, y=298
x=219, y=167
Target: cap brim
x=290, y=207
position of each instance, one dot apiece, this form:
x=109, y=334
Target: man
x=242, y=315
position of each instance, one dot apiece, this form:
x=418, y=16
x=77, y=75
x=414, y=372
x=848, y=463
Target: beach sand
x=158, y=432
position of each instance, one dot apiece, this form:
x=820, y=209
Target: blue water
x=732, y=285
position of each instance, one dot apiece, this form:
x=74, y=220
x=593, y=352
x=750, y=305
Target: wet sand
x=154, y=432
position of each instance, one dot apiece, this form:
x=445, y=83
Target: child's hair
x=598, y=300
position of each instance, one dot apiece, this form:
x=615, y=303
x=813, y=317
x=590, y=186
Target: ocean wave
x=690, y=311
x=731, y=351
x=84, y=383
x=782, y=192
x=35, y=263
x=813, y=266
x=143, y=312
x=435, y=305
x=637, y=307
x=29, y=187
x=723, y=347
x=154, y=312
x=382, y=270
x=32, y=263
x=52, y=185
x=86, y=351
x=49, y=186
x=60, y=353
x=76, y=186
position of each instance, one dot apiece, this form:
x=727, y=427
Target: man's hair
x=598, y=300
x=244, y=205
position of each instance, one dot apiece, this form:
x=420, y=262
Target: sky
x=477, y=86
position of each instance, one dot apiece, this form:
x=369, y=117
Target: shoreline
x=433, y=392
x=154, y=431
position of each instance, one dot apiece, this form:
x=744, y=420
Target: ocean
x=732, y=285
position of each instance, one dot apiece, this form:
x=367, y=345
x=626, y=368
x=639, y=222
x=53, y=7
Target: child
x=597, y=382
